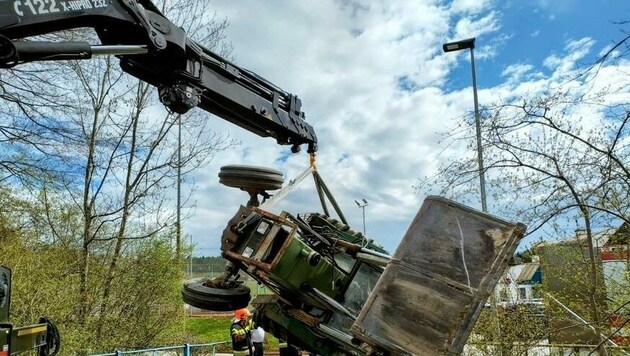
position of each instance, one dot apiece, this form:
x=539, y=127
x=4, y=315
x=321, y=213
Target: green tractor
x=337, y=292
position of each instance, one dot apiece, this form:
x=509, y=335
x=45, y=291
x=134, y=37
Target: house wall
x=616, y=268
x=566, y=275
x=510, y=291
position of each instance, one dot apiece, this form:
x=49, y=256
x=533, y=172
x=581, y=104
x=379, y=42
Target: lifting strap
x=320, y=186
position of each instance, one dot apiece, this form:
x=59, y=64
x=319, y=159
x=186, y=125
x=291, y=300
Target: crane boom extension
x=153, y=49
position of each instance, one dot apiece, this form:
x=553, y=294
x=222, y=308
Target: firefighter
x=240, y=331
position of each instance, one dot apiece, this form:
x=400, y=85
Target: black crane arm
x=153, y=49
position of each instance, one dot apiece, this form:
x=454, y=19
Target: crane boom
x=153, y=49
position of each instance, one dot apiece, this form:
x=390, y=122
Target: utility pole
x=362, y=204
x=470, y=44
x=179, y=188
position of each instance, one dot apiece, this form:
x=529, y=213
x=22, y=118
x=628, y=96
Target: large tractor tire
x=250, y=177
x=203, y=294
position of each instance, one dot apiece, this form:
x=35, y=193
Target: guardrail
x=184, y=350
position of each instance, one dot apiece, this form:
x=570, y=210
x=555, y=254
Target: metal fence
x=183, y=350
x=541, y=349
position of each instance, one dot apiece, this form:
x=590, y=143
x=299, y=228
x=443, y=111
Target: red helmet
x=241, y=314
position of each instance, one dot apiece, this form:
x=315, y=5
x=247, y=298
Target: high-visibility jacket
x=241, y=338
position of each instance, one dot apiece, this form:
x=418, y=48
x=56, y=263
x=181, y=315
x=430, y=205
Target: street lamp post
x=457, y=46
x=179, y=188
x=362, y=204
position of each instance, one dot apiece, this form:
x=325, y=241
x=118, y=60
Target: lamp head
x=459, y=45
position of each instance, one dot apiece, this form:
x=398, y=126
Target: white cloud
x=346, y=61
x=517, y=71
x=566, y=62
x=470, y=6
x=474, y=27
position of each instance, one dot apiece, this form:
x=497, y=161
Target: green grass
x=209, y=329
x=216, y=329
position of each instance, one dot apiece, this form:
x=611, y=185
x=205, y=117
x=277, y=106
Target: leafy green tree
x=146, y=303
x=557, y=160
x=508, y=330
x=98, y=159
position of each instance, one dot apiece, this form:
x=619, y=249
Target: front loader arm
x=155, y=50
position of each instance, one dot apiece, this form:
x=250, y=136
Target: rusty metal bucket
x=432, y=291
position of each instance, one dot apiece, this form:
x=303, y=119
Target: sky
x=379, y=91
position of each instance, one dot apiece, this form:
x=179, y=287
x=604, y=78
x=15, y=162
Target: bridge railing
x=183, y=350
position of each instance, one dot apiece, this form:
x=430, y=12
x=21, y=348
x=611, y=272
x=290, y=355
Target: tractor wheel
x=202, y=294
x=250, y=177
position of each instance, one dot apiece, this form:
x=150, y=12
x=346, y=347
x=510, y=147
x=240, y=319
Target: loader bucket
x=430, y=294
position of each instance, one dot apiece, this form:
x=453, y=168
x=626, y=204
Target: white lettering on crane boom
x=45, y=7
